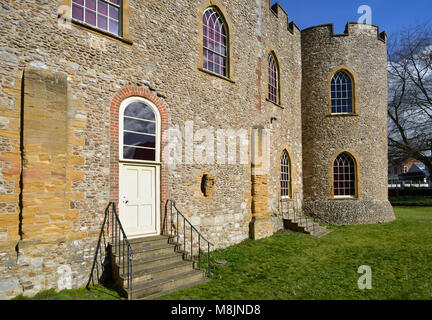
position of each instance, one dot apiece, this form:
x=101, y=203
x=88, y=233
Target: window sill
x=276, y=104
x=105, y=33
x=287, y=199
x=344, y=198
x=352, y=114
x=216, y=75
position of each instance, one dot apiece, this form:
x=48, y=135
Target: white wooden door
x=138, y=201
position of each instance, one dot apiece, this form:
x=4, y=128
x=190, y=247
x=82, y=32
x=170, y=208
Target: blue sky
x=390, y=15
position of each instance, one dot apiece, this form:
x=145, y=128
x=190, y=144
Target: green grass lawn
x=297, y=266
x=95, y=293
x=294, y=266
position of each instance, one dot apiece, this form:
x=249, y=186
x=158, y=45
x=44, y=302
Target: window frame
x=124, y=35
x=356, y=194
x=353, y=77
x=287, y=156
x=220, y=9
x=272, y=55
x=227, y=45
x=125, y=103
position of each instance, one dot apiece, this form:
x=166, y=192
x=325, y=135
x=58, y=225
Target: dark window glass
x=341, y=93
x=139, y=132
x=344, y=175
x=139, y=126
x=140, y=110
x=139, y=140
x=139, y=154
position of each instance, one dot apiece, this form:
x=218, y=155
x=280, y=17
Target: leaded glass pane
x=285, y=175
x=273, y=80
x=341, y=93
x=214, y=42
x=344, y=176
x=103, y=14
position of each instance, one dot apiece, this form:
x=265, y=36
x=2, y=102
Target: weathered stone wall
x=164, y=59
x=362, y=51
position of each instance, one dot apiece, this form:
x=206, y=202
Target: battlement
x=351, y=28
x=279, y=11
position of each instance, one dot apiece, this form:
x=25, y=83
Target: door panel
x=139, y=212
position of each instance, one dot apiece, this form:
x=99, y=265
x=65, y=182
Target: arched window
x=139, y=132
x=273, y=79
x=342, y=93
x=344, y=176
x=215, y=42
x=285, y=179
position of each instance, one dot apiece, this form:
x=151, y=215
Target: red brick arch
x=114, y=139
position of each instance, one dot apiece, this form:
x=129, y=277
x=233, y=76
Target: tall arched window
x=285, y=179
x=273, y=79
x=139, y=134
x=342, y=93
x=344, y=176
x=215, y=42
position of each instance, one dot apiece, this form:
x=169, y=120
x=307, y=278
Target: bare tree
x=410, y=94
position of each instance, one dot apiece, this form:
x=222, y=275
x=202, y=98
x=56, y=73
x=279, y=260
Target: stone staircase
x=158, y=269
x=301, y=223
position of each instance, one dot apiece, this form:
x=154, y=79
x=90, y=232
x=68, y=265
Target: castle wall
x=49, y=225
x=361, y=51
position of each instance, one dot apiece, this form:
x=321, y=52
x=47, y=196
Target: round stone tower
x=344, y=125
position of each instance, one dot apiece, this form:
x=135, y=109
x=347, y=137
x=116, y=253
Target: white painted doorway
x=139, y=167
x=139, y=200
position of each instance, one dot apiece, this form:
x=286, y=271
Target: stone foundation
x=350, y=212
x=40, y=265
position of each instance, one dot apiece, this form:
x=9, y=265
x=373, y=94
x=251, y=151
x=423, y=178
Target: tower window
x=344, y=176
x=342, y=93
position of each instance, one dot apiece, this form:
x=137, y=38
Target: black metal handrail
x=112, y=240
x=296, y=210
x=174, y=224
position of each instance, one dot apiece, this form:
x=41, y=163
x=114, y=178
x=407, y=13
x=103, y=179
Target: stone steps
x=304, y=224
x=158, y=269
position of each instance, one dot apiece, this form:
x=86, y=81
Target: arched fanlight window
x=215, y=42
x=344, y=176
x=285, y=180
x=273, y=79
x=139, y=132
x=342, y=93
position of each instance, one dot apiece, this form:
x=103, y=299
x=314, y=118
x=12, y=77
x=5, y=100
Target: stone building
x=224, y=106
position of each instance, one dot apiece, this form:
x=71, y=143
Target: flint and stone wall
x=361, y=51
x=58, y=88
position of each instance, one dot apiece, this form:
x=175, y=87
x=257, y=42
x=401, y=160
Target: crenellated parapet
x=351, y=29
x=280, y=12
